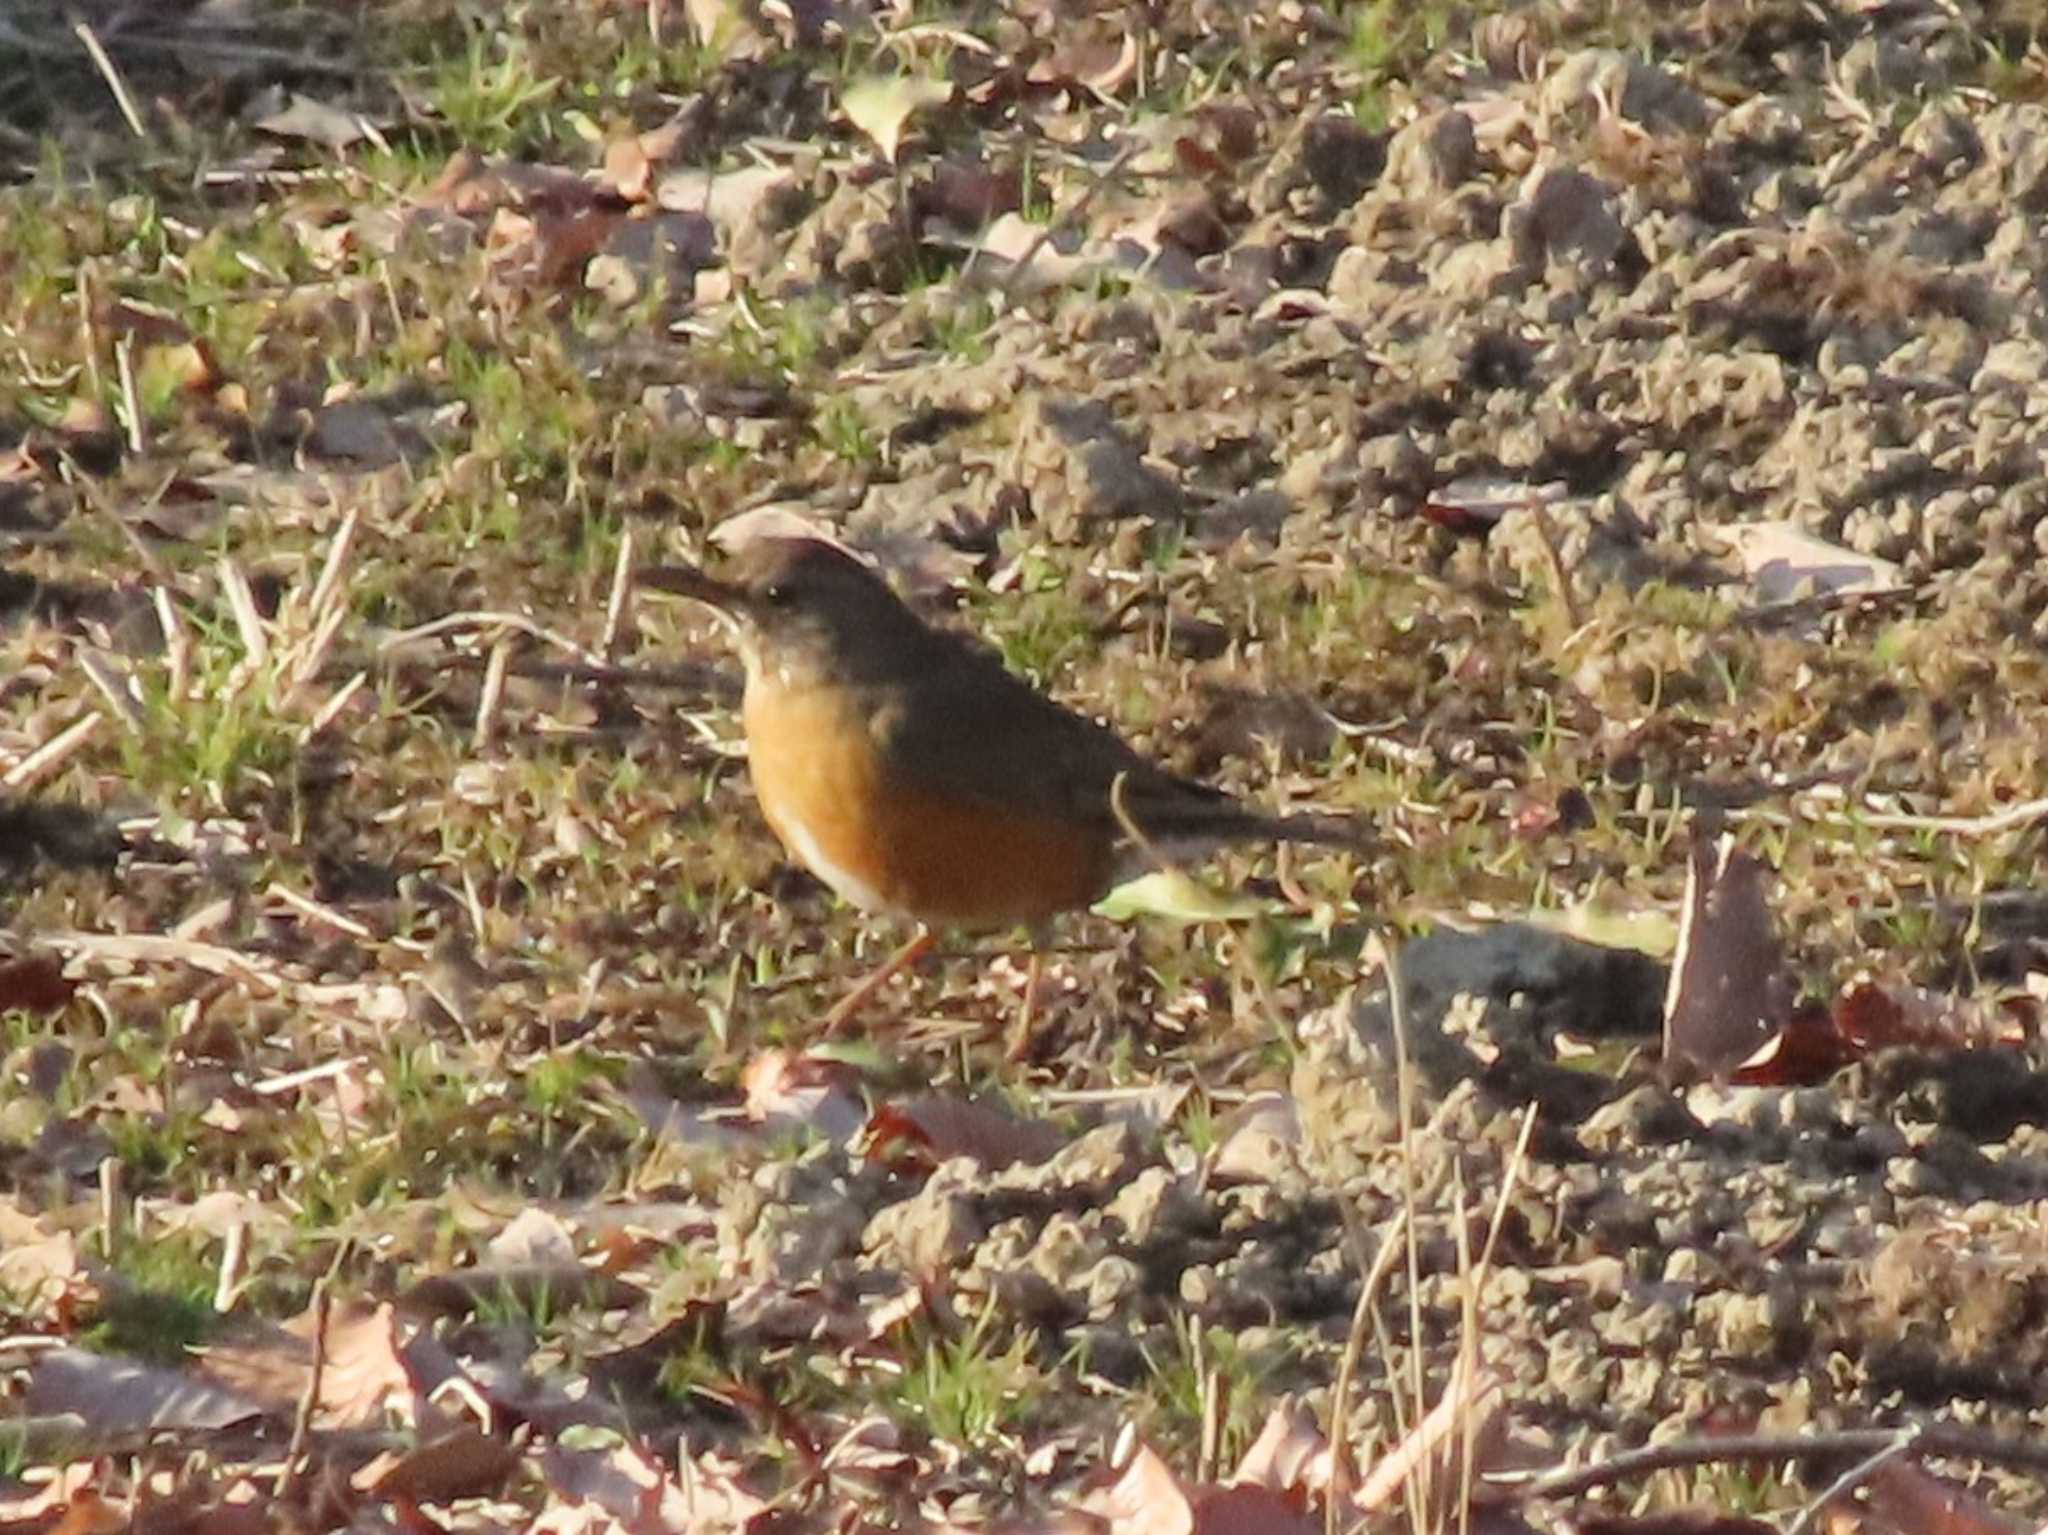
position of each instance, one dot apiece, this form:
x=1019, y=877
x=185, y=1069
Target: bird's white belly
x=847, y=886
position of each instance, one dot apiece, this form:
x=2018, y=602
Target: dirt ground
x=1554, y=435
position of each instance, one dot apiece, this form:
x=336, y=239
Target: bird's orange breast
x=888, y=845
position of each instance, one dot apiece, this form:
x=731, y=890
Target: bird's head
x=793, y=601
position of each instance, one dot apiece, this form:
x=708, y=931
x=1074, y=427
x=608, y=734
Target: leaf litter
x=1580, y=429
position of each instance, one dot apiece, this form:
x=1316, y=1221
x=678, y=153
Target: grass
x=162, y=1305
x=640, y=939
x=1388, y=41
x=971, y=1389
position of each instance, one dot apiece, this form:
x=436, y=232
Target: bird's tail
x=1175, y=817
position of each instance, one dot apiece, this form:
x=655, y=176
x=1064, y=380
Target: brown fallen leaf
x=1291, y=1454
x=1466, y=1413
x=467, y=1463
x=363, y=1375
x=1250, y=1511
x=546, y=250
x=1679, y=1521
x=1916, y=1502
x=1149, y=1498
x=1729, y=994
x=69, y=1504
x=881, y=106
x=471, y=186
x=35, y=985
x=630, y=163
x=938, y=1128
x=46, y=1278
x=635, y=1489
x=1146, y=1498
x=118, y=1397
x=785, y=1089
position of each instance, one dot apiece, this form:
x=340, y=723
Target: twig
x=2013, y=817
x=113, y=686
x=177, y=644
x=115, y=83
x=1553, y=554
x=1848, y=1481
x=2023, y=814
x=152, y=947
x=78, y=481
x=491, y=695
x=328, y=587
x=242, y=603
x=307, y=907
x=51, y=755
x=88, y=327
x=110, y=1209
x=486, y=620
x=232, y=1254
x=1094, y=189
x=331, y=710
x=622, y=586
x=1934, y=1439
x=190, y=40
x=1418, y=1498
x=325, y=610
x=687, y=677
x=1354, y=1346
x=131, y=396
x=291, y=1081
x=309, y=1399
x=1475, y=1292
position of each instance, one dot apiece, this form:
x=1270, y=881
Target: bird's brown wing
x=974, y=729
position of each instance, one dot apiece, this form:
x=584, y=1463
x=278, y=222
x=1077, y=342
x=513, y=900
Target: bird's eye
x=776, y=594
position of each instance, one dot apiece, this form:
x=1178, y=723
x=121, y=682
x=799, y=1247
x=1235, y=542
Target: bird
x=913, y=773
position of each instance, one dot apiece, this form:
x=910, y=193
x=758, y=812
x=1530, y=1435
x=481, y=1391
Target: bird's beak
x=689, y=581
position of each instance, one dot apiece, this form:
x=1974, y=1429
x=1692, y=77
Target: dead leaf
x=630, y=163
x=1145, y=1499
x=69, y=1504
x=464, y=1464
x=46, y=1278
x=1784, y=562
x=296, y=116
x=364, y=1373
x=943, y=1128
x=1257, y=1140
x=1250, y=1511
x=1680, y=1521
x=533, y=1236
x=118, y=1397
x=967, y=194
x=1291, y=1453
x=787, y=1090
x=1728, y=995
x=1102, y=61
x=631, y=1486
x=1471, y=505
x=471, y=186
x=1913, y=1500
x=1465, y=1414
x=720, y=25
x=89, y=1513
x=881, y=106
x=35, y=985
x=546, y=250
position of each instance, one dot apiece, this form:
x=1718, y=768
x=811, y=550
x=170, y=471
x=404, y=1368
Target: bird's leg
x=1027, y=1013
x=897, y=963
